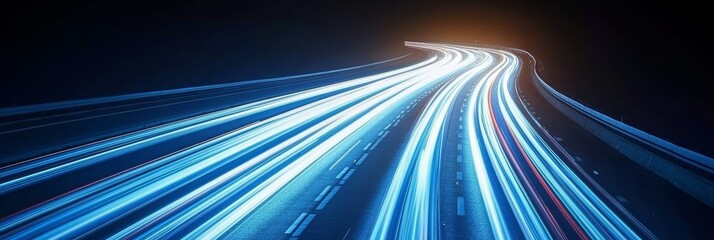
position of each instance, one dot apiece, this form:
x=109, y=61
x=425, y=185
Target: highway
x=449, y=142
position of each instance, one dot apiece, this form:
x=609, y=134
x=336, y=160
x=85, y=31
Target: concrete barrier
x=690, y=174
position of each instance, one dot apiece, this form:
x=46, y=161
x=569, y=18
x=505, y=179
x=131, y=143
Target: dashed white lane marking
x=458, y=158
x=322, y=194
x=295, y=224
x=380, y=133
x=328, y=198
x=364, y=156
x=559, y=139
x=578, y=159
x=379, y=140
x=342, y=172
x=459, y=146
x=347, y=176
x=304, y=224
x=621, y=199
x=344, y=155
x=460, y=206
x=395, y=124
x=388, y=125
x=459, y=175
x=366, y=146
x=375, y=144
x=596, y=172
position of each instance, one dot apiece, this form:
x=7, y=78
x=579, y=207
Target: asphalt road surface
x=448, y=142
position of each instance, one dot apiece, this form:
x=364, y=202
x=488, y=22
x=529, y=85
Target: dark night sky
x=646, y=62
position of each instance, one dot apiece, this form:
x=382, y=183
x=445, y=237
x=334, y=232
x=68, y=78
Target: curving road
x=439, y=145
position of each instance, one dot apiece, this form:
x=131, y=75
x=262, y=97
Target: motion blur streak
x=110, y=199
x=513, y=148
x=512, y=162
x=44, y=167
x=416, y=214
x=208, y=188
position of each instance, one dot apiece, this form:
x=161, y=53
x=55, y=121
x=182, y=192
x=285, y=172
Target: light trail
x=208, y=188
x=526, y=165
x=255, y=170
x=410, y=209
x=519, y=176
x=44, y=167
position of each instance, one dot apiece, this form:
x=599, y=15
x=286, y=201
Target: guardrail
x=691, y=172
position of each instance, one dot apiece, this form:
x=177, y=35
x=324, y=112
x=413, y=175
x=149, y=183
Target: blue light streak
x=219, y=182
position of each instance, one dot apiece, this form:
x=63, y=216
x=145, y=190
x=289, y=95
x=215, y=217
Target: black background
x=646, y=63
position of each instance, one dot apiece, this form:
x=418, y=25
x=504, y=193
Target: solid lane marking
x=348, y=232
